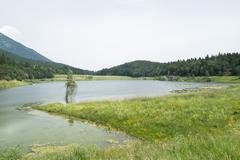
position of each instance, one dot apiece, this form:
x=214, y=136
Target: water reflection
x=71, y=122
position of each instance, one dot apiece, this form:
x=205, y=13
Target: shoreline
x=59, y=78
x=168, y=126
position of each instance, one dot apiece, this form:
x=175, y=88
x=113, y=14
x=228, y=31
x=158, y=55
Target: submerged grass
x=198, y=147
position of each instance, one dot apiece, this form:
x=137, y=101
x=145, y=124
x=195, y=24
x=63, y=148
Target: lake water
x=25, y=128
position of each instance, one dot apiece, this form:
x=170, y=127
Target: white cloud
x=11, y=32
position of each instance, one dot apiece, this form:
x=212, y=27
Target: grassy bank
x=197, y=125
x=10, y=84
x=187, y=148
x=14, y=83
x=220, y=79
x=159, y=118
x=198, y=147
x=63, y=77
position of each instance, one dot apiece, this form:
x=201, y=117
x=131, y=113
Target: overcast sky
x=95, y=34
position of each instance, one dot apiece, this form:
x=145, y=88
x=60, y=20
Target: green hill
x=15, y=67
x=222, y=64
x=20, y=62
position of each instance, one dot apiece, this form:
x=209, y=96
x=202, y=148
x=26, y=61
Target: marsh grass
x=220, y=79
x=198, y=147
x=63, y=77
x=158, y=118
x=199, y=125
x=14, y=153
x=9, y=84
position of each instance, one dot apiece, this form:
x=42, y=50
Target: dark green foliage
x=14, y=67
x=10, y=154
x=20, y=69
x=223, y=64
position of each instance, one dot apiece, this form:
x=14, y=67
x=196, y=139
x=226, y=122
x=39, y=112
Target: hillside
x=19, y=62
x=19, y=49
x=15, y=67
x=219, y=65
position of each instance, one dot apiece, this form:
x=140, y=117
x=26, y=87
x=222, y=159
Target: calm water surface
x=25, y=128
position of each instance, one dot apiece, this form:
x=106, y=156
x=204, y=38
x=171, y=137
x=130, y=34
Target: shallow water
x=28, y=127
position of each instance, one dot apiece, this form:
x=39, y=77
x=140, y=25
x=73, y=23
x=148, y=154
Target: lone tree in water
x=71, y=88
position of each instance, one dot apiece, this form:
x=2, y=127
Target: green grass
x=63, y=77
x=10, y=84
x=231, y=79
x=199, y=125
x=198, y=147
x=11, y=154
x=14, y=83
x=221, y=79
x=159, y=118
x=186, y=148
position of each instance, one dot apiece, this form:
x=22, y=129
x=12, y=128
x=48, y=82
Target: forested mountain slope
x=20, y=50
x=219, y=65
x=15, y=67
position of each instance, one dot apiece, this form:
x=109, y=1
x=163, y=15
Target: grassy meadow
x=63, y=77
x=13, y=83
x=204, y=124
x=220, y=79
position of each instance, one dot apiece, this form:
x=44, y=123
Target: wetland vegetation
x=14, y=83
x=198, y=125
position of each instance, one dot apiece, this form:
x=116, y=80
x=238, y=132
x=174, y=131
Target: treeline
x=223, y=64
x=226, y=64
x=14, y=67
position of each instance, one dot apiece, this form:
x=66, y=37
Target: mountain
x=15, y=67
x=20, y=50
x=219, y=65
x=20, y=62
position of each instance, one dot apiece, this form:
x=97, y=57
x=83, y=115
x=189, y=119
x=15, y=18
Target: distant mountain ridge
x=218, y=65
x=20, y=50
x=31, y=61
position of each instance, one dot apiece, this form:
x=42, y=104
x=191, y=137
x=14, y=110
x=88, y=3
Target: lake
x=28, y=127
